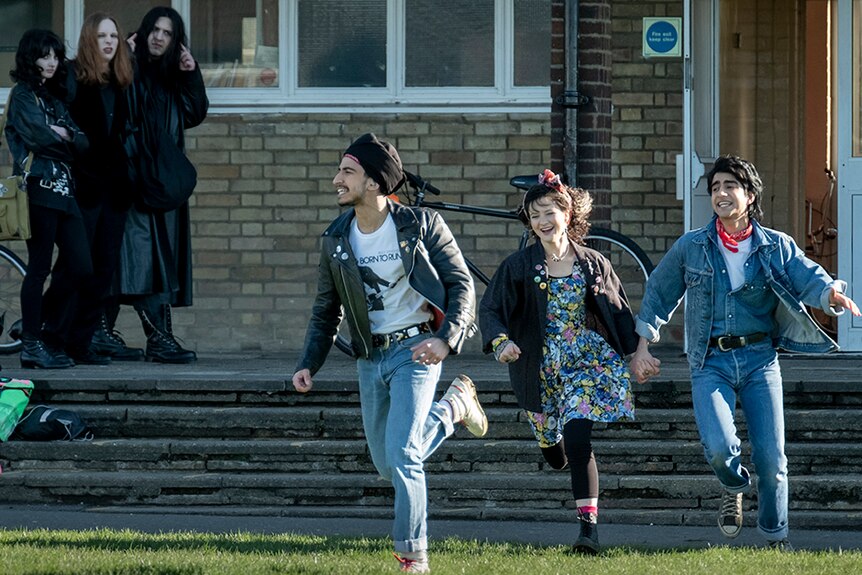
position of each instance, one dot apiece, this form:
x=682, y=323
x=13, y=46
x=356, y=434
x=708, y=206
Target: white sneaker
x=730, y=515
x=466, y=409
x=416, y=562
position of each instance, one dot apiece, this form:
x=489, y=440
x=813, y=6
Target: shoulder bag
x=14, y=203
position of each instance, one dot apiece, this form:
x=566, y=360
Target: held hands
x=838, y=299
x=642, y=364
x=430, y=351
x=187, y=62
x=508, y=352
x=302, y=381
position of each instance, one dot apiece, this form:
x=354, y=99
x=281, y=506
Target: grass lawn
x=106, y=552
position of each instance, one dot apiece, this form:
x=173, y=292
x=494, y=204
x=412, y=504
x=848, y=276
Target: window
x=342, y=44
x=236, y=42
x=271, y=55
x=449, y=43
x=18, y=16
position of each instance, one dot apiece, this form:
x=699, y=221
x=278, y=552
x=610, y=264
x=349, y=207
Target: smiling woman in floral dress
x=556, y=313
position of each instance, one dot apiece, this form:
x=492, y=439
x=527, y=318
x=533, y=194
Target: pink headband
x=551, y=180
x=354, y=158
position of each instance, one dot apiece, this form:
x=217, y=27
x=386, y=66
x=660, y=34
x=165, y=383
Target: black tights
x=576, y=450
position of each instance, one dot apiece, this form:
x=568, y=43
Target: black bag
x=43, y=423
x=162, y=175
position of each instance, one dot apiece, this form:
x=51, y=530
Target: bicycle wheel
x=631, y=263
x=12, y=271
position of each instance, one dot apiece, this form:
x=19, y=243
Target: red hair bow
x=551, y=180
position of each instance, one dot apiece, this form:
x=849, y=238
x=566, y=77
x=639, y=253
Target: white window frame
x=503, y=97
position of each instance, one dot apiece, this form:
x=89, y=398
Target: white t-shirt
x=392, y=303
x=736, y=262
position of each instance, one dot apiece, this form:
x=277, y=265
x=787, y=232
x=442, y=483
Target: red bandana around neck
x=730, y=241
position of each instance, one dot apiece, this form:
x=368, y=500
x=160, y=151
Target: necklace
x=562, y=256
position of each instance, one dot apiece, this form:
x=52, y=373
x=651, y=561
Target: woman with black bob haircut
x=39, y=124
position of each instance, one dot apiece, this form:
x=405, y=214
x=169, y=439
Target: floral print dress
x=582, y=376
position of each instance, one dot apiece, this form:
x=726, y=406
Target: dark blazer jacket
x=516, y=304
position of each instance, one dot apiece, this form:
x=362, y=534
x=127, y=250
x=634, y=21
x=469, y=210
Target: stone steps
x=457, y=455
x=679, y=499
x=116, y=420
x=232, y=437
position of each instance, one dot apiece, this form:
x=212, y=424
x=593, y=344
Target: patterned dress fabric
x=582, y=376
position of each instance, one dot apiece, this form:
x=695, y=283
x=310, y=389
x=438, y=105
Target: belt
x=729, y=342
x=384, y=340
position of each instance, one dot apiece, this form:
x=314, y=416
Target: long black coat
x=516, y=305
x=156, y=255
x=101, y=173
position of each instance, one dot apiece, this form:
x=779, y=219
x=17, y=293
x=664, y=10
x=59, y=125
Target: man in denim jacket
x=747, y=289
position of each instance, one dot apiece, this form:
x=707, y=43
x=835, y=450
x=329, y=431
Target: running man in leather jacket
x=400, y=279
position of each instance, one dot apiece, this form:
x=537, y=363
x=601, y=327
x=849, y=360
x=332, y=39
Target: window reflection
x=342, y=44
x=236, y=42
x=532, y=42
x=450, y=43
x=18, y=16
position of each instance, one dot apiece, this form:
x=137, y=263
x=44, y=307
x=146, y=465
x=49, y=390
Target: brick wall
x=264, y=196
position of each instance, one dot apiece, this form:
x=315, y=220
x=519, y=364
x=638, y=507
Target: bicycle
x=630, y=261
x=12, y=272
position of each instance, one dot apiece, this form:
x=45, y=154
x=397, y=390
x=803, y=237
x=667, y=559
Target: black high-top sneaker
x=587, y=542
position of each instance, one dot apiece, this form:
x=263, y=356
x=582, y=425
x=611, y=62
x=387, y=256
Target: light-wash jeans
x=751, y=373
x=403, y=425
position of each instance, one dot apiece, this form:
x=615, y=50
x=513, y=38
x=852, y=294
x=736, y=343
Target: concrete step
x=457, y=455
x=671, y=499
x=339, y=422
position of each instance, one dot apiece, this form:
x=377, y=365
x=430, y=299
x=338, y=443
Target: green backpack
x=14, y=397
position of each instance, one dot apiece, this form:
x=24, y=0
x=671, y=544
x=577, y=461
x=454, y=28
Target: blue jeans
x=403, y=426
x=751, y=373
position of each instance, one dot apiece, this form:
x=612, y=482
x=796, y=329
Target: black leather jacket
x=434, y=267
x=516, y=305
x=27, y=131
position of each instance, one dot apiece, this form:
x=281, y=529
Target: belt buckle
x=721, y=341
x=412, y=331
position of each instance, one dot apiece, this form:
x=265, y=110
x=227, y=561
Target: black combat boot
x=162, y=347
x=36, y=354
x=107, y=341
x=588, y=540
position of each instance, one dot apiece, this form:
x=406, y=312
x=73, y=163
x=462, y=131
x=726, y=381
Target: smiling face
x=48, y=65
x=353, y=185
x=107, y=38
x=548, y=221
x=161, y=37
x=730, y=201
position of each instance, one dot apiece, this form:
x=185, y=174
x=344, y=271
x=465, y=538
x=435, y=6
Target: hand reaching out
x=838, y=299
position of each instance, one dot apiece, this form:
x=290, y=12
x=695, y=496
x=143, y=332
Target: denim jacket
x=796, y=281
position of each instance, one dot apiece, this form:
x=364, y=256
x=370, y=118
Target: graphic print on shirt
x=375, y=285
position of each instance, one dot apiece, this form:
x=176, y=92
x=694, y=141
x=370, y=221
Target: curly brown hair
x=576, y=202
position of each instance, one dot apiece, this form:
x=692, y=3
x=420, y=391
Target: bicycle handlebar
x=420, y=184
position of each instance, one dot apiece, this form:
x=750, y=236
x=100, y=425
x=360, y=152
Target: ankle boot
x=36, y=354
x=162, y=347
x=106, y=341
x=587, y=542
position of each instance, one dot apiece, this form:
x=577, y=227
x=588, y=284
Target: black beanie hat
x=380, y=161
